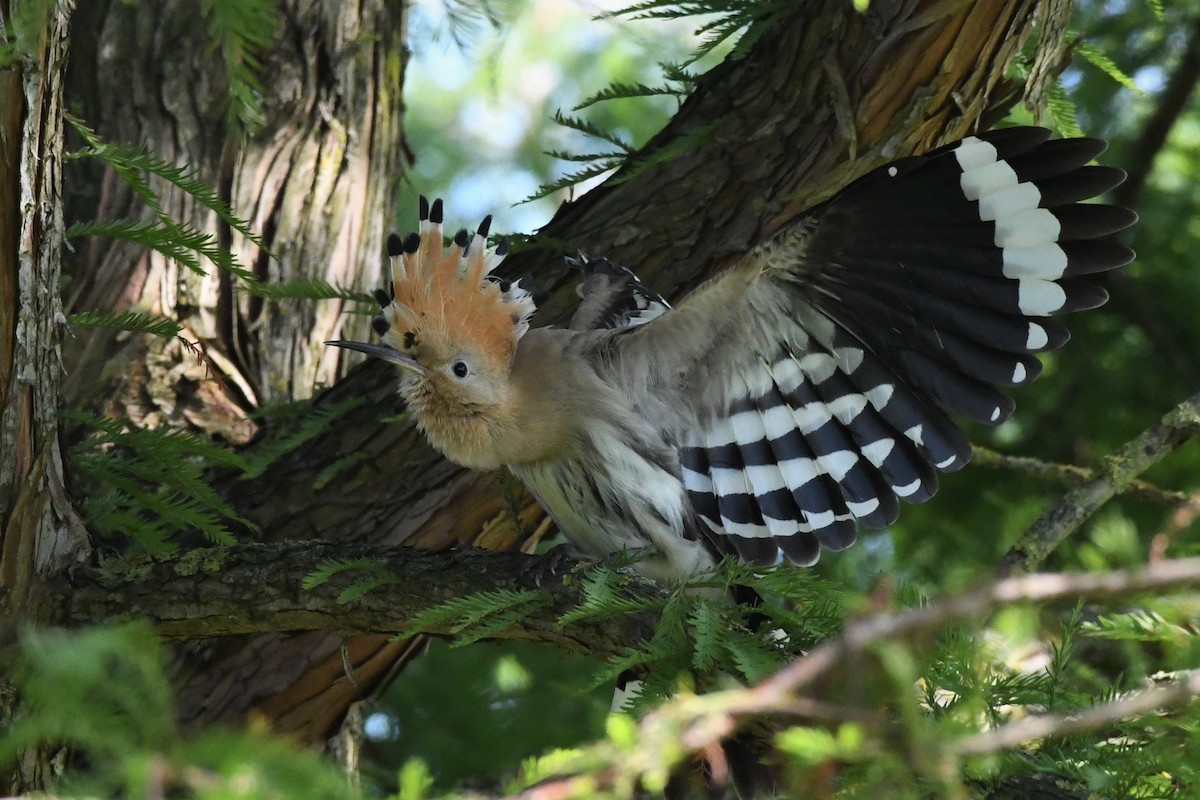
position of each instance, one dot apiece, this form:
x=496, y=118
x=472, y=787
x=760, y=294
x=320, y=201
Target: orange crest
x=443, y=297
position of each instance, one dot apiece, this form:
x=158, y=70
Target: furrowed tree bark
x=823, y=95
x=40, y=533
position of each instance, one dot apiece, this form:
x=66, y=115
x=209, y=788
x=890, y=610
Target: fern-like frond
x=573, y=179
x=179, y=242
x=1061, y=111
x=685, y=143
x=132, y=162
x=605, y=594
x=626, y=91
x=591, y=129
x=241, y=29
x=477, y=616
x=292, y=425
x=308, y=290
x=1099, y=59
x=131, y=321
x=150, y=484
x=326, y=571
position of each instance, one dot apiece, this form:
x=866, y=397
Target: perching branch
x=202, y=593
x=1116, y=472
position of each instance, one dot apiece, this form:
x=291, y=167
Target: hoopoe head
x=453, y=329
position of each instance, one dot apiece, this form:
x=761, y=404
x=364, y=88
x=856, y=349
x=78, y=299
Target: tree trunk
x=823, y=95
x=40, y=533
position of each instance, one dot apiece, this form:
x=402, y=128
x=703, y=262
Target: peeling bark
x=40, y=533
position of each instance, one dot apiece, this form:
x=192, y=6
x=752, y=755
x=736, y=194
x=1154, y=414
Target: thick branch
x=203, y=594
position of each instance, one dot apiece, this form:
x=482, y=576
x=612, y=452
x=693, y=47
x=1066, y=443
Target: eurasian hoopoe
x=799, y=395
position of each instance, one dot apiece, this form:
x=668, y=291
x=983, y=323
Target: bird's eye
x=460, y=369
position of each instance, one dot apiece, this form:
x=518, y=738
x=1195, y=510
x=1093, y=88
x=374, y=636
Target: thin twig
x=1027, y=588
x=1170, y=695
x=1116, y=472
x=1072, y=475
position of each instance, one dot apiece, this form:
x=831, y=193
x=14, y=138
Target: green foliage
x=605, y=594
x=460, y=713
x=477, y=616
x=729, y=19
x=130, y=163
x=373, y=575
x=177, y=241
x=149, y=485
x=241, y=29
x=104, y=692
x=131, y=321
x=1099, y=59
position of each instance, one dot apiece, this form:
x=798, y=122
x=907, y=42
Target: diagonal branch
x=1072, y=475
x=1116, y=473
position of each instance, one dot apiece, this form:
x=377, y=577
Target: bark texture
x=40, y=533
x=202, y=593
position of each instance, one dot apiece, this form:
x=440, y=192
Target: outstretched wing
x=811, y=386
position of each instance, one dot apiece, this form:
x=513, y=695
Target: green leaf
x=477, y=616
x=625, y=91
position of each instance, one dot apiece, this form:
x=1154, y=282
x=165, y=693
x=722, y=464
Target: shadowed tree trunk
x=823, y=95
x=41, y=533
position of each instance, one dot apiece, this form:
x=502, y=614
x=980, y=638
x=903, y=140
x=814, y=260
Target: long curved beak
x=381, y=351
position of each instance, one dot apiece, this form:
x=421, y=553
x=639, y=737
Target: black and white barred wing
x=917, y=292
